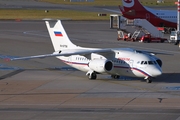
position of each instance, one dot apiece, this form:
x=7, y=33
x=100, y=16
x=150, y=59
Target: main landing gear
x=92, y=75
x=115, y=76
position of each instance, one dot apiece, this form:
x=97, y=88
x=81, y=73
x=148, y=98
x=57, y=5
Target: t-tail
x=58, y=36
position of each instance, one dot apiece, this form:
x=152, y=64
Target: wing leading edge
x=67, y=52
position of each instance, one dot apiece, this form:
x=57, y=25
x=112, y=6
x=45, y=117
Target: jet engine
x=101, y=65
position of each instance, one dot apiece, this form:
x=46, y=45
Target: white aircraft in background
x=133, y=9
x=93, y=61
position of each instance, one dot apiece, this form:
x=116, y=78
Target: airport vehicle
x=124, y=36
x=93, y=61
x=148, y=38
x=173, y=36
x=133, y=9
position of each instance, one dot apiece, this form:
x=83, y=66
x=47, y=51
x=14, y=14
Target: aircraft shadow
x=15, y=72
x=164, y=78
x=11, y=74
x=168, y=78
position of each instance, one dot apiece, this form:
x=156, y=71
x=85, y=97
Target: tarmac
x=43, y=89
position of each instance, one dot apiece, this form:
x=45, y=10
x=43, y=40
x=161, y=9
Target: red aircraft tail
x=132, y=5
x=133, y=9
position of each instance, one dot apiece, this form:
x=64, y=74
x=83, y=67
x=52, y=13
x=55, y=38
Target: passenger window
x=145, y=62
x=142, y=62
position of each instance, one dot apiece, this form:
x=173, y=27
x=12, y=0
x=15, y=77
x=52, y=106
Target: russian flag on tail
x=57, y=33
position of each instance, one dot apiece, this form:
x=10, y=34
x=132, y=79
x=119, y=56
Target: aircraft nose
x=157, y=72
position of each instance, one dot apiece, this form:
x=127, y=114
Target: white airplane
x=113, y=61
x=133, y=9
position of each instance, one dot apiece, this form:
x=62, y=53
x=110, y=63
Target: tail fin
x=58, y=36
x=132, y=5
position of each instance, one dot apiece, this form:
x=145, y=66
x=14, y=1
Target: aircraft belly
x=139, y=72
x=81, y=67
x=124, y=71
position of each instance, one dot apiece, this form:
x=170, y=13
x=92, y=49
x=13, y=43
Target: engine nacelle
x=101, y=65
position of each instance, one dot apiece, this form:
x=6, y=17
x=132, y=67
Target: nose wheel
x=148, y=80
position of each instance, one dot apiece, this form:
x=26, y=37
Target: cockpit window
x=148, y=62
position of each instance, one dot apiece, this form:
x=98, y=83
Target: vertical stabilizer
x=58, y=36
x=132, y=5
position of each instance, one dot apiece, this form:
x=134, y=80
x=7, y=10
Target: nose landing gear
x=148, y=79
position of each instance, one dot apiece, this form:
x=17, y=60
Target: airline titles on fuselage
x=64, y=46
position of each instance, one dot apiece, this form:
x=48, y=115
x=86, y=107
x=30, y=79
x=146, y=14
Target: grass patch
x=154, y=3
x=96, y=2
x=70, y=14
x=55, y=14
x=112, y=2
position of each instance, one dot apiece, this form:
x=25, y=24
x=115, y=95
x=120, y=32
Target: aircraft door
x=70, y=59
x=141, y=64
x=131, y=63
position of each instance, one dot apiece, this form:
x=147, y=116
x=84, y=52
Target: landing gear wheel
x=115, y=76
x=92, y=76
x=148, y=81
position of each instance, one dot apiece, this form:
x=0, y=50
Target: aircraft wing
x=114, y=11
x=121, y=10
x=153, y=53
x=65, y=53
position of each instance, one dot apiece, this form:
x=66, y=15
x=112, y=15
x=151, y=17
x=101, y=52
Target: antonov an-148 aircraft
x=113, y=61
